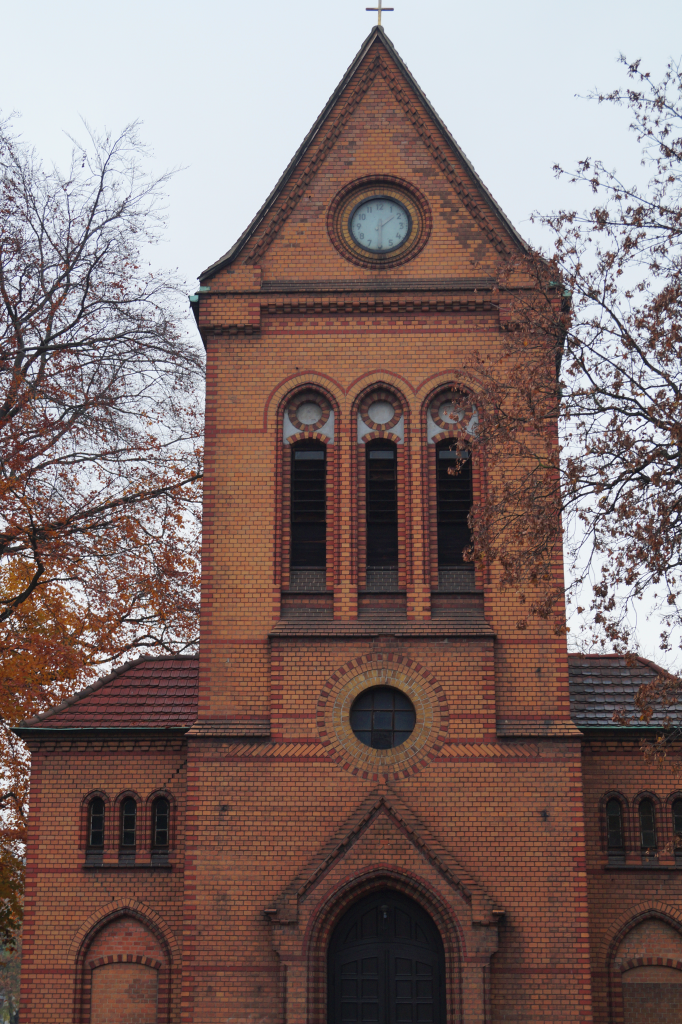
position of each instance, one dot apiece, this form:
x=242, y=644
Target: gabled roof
x=603, y=683
x=377, y=33
x=150, y=693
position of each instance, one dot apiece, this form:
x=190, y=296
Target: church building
x=370, y=799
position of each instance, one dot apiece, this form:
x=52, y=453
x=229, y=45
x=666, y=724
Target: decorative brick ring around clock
x=356, y=197
x=402, y=674
x=453, y=411
x=381, y=404
x=308, y=410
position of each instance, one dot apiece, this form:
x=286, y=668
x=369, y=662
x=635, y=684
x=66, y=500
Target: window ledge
x=115, y=866
x=642, y=867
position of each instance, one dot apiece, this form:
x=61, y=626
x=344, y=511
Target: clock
x=380, y=224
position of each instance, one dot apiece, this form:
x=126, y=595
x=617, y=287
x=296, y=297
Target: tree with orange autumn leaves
x=100, y=442
x=593, y=344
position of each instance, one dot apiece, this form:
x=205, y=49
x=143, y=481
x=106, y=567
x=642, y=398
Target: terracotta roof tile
x=150, y=693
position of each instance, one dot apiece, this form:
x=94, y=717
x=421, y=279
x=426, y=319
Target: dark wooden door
x=386, y=964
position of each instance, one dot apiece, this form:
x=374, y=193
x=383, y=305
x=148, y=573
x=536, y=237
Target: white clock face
x=380, y=224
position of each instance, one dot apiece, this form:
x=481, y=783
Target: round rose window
x=382, y=717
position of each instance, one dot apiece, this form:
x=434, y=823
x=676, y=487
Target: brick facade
x=491, y=815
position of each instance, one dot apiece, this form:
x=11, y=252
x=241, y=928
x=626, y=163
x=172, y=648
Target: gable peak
x=378, y=41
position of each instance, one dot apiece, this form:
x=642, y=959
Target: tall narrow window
x=647, y=828
x=677, y=830
x=454, y=498
x=382, y=506
x=128, y=824
x=160, y=822
x=308, y=506
x=96, y=824
x=614, y=832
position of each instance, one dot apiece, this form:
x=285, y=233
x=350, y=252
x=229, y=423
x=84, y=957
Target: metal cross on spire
x=379, y=9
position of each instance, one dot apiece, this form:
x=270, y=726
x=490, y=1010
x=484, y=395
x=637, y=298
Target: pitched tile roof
x=602, y=683
x=162, y=693
x=150, y=693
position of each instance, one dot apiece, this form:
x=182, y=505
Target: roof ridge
x=99, y=683
x=623, y=657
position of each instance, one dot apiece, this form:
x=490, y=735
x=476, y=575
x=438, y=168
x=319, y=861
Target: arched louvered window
x=647, y=828
x=677, y=829
x=614, y=832
x=454, y=497
x=308, y=505
x=160, y=823
x=381, y=505
x=96, y=824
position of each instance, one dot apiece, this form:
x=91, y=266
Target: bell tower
x=384, y=794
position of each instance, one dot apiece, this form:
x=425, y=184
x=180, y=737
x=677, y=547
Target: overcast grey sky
x=227, y=90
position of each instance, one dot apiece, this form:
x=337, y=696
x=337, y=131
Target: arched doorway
x=386, y=964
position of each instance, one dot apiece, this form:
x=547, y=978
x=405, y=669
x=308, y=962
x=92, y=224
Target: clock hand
x=380, y=228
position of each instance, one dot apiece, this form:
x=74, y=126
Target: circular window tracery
x=380, y=410
x=308, y=411
x=382, y=717
x=453, y=411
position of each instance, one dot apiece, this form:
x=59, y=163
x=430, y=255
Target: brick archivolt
x=287, y=389
x=347, y=401
x=336, y=699
x=629, y=919
x=117, y=908
x=383, y=846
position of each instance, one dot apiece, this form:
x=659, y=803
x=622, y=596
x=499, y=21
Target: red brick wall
x=68, y=904
x=294, y=314
x=272, y=839
x=635, y=910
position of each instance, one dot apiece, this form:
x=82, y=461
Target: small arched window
x=160, y=823
x=454, y=497
x=614, y=832
x=126, y=853
x=95, y=837
x=381, y=507
x=308, y=506
x=647, y=828
x=677, y=829
x=96, y=824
